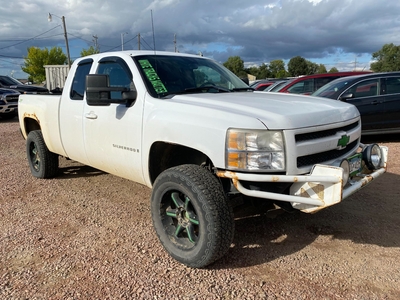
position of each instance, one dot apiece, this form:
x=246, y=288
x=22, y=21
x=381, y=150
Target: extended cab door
x=71, y=112
x=112, y=133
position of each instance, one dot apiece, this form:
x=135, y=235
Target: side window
x=119, y=76
x=365, y=88
x=78, y=84
x=393, y=85
x=305, y=86
x=320, y=82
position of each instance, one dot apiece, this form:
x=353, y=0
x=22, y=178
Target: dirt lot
x=88, y=235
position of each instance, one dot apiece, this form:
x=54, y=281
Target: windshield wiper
x=205, y=88
x=243, y=89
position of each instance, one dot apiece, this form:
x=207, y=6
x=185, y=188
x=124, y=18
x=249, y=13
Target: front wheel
x=42, y=162
x=191, y=215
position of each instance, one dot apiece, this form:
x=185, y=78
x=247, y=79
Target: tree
x=260, y=72
x=297, y=66
x=264, y=71
x=37, y=58
x=253, y=71
x=277, y=68
x=387, y=59
x=321, y=69
x=333, y=70
x=91, y=50
x=236, y=65
x=312, y=68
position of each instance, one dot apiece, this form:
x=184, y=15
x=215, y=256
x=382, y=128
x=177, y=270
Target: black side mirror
x=98, y=91
x=345, y=97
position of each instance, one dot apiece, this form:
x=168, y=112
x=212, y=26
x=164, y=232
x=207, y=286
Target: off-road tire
x=42, y=162
x=191, y=215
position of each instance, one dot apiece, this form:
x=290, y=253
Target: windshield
x=169, y=75
x=8, y=81
x=329, y=90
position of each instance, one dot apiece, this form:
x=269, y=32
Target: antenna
x=152, y=25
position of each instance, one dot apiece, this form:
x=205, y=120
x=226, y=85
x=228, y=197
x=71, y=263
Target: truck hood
x=275, y=110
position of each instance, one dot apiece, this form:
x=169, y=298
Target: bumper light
x=345, y=165
x=372, y=156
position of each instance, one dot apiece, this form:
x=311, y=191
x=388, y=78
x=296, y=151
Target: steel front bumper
x=312, y=192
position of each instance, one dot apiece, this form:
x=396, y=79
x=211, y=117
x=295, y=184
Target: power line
x=7, y=56
x=29, y=38
x=80, y=38
x=149, y=47
x=49, y=36
x=116, y=47
x=10, y=62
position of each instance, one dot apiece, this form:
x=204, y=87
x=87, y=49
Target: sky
x=336, y=33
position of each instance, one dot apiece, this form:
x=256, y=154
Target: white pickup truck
x=197, y=135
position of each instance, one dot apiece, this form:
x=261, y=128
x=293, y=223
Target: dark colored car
x=377, y=97
x=307, y=85
x=261, y=85
x=8, y=103
x=14, y=84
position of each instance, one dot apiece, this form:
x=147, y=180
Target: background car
x=376, y=95
x=13, y=84
x=8, y=103
x=276, y=86
x=261, y=85
x=307, y=85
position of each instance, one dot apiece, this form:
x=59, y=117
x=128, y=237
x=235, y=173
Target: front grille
x=317, y=158
x=324, y=133
x=12, y=98
x=321, y=144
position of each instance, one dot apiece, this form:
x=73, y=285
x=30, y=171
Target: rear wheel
x=191, y=215
x=42, y=162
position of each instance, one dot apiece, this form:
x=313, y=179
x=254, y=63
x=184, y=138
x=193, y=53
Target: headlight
x=257, y=150
x=372, y=156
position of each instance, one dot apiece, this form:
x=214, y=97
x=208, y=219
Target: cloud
x=258, y=31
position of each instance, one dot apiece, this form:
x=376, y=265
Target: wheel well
x=165, y=155
x=30, y=125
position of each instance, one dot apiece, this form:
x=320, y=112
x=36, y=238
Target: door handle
x=376, y=102
x=91, y=115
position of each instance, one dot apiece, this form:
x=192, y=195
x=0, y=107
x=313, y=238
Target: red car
x=307, y=85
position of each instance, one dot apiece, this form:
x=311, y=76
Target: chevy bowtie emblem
x=343, y=141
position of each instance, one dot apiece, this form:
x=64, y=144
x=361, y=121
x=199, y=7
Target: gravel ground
x=88, y=235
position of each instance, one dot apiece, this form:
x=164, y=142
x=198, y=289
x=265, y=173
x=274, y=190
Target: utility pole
x=355, y=64
x=138, y=38
x=175, y=42
x=96, y=45
x=66, y=41
x=49, y=18
x=122, y=40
